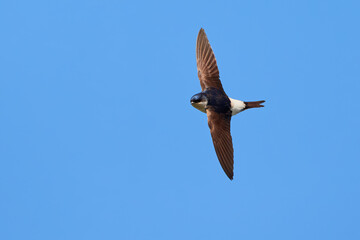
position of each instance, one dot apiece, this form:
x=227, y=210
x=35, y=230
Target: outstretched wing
x=219, y=124
x=208, y=71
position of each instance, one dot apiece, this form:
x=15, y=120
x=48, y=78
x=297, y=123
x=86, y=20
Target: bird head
x=199, y=101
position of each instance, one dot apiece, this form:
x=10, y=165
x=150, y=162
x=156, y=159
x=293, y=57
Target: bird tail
x=256, y=104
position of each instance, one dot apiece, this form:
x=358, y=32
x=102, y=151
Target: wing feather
x=208, y=71
x=219, y=124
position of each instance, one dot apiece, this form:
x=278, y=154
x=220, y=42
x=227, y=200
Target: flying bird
x=216, y=104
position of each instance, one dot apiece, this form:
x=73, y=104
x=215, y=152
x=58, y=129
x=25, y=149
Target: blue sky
x=98, y=139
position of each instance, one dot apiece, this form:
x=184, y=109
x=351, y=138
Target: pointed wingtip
x=230, y=175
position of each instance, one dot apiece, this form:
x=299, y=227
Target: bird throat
x=201, y=106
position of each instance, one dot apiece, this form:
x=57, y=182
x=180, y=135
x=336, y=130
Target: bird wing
x=208, y=71
x=219, y=124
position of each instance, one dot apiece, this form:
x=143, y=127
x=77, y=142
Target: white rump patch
x=236, y=106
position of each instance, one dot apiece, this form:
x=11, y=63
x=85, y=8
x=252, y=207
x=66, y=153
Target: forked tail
x=256, y=104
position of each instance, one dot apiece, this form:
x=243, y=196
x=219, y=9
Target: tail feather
x=256, y=104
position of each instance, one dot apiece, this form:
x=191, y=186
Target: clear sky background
x=98, y=139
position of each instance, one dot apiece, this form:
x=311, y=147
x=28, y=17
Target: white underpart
x=236, y=106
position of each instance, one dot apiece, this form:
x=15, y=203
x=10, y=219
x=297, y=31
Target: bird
x=218, y=107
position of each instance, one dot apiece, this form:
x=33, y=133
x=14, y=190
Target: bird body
x=216, y=104
x=236, y=106
x=212, y=98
